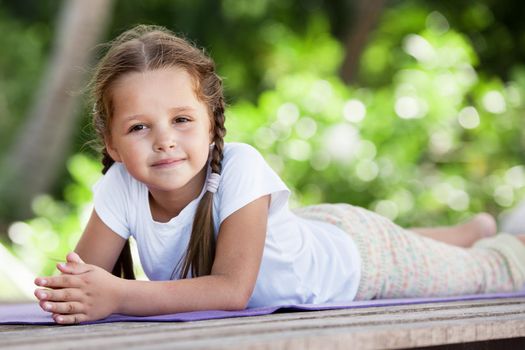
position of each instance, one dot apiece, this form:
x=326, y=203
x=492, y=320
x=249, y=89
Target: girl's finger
x=74, y=257
x=64, y=294
x=62, y=281
x=73, y=268
x=70, y=319
x=64, y=308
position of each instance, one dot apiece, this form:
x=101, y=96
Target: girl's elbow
x=241, y=299
x=237, y=293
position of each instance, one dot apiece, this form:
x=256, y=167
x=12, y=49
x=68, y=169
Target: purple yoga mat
x=34, y=315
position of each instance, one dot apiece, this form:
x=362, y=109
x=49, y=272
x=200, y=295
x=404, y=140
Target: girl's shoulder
x=241, y=154
x=245, y=177
x=116, y=179
x=118, y=172
x=239, y=149
x=244, y=164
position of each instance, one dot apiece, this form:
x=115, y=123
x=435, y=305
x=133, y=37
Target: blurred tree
x=430, y=130
x=495, y=28
x=257, y=42
x=366, y=16
x=38, y=152
x=19, y=67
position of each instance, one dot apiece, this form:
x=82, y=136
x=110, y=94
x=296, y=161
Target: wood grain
x=405, y=326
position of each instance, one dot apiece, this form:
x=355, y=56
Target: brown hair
x=147, y=48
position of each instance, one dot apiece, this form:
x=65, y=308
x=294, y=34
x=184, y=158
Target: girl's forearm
x=215, y=292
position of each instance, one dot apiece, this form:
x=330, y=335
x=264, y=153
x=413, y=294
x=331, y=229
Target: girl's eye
x=137, y=127
x=181, y=120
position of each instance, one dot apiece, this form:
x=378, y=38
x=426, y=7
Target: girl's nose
x=164, y=141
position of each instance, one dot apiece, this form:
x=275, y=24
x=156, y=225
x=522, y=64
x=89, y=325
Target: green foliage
x=424, y=138
x=435, y=144
x=20, y=66
x=45, y=240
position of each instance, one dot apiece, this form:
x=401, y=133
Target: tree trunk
x=43, y=143
x=367, y=15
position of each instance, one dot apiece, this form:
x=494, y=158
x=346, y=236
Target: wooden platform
x=480, y=324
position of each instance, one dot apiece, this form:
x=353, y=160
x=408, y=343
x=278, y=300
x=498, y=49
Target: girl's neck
x=166, y=205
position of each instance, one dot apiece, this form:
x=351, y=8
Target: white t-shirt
x=304, y=261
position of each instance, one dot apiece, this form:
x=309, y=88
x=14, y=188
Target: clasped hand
x=81, y=293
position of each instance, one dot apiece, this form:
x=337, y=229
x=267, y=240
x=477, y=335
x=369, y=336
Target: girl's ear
x=112, y=151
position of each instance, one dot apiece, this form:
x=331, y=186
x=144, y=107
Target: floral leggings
x=398, y=263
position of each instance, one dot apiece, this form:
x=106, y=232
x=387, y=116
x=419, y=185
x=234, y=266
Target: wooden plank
x=369, y=328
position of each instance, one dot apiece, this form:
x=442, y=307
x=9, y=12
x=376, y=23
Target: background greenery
x=429, y=131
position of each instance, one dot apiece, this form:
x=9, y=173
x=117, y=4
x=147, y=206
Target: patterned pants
x=397, y=263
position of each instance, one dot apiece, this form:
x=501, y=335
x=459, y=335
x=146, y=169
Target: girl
x=211, y=220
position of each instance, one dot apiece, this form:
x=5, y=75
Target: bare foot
x=463, y=235
x=480, y=226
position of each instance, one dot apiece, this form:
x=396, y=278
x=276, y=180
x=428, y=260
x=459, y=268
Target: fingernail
x=62, y=265
x=43, y=282
x=43, y=295
x=47, y=306
x=60, y=319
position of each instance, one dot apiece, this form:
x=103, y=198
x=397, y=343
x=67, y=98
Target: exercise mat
x=32, y=314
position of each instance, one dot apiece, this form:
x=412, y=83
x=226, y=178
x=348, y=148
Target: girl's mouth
x=168, y=162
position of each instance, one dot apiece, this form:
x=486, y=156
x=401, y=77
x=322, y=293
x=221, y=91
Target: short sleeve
x=110, y=196
x=246, y=176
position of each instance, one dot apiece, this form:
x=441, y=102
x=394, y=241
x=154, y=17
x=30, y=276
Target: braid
x=124, y=265
x=107, y=161
x=218, y=139
x=201, y=247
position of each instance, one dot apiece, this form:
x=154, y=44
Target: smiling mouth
x=167, y=163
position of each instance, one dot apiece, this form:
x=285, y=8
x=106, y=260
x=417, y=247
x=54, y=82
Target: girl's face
x=160, y=130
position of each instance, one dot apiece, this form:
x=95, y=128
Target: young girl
x=211, y=220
